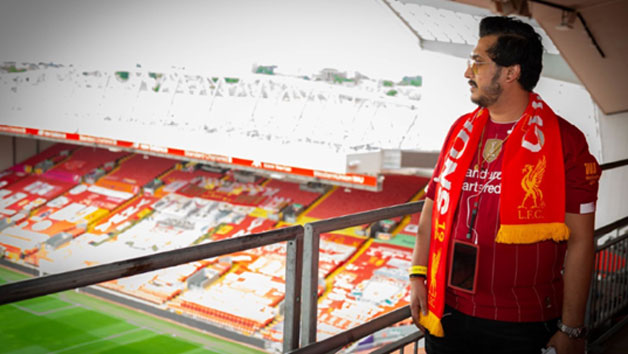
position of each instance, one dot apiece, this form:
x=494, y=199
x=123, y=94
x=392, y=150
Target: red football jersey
x=516, y=282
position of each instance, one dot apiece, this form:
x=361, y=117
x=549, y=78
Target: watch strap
x=572, y=332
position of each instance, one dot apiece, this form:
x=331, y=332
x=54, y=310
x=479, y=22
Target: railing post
x=292, y=300
x=310, y=285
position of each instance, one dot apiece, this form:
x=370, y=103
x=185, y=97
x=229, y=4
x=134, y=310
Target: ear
x=513, y=72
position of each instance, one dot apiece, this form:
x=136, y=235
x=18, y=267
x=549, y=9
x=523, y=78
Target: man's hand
x=420, y=255
x=566, y=345
x=418, y=300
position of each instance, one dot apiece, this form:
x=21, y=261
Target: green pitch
x=70, y=322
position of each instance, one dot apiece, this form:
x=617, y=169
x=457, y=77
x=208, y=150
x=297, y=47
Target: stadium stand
x=40, y=162
x=372, y=284
x=397, y=189
x=135, y=173
x=142, y=205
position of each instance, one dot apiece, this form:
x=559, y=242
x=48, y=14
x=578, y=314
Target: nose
x=468, y=73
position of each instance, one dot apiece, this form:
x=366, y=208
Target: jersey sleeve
x=582, y=171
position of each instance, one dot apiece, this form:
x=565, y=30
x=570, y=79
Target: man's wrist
x=417, y=271
x=418, y=276
x=572, y=332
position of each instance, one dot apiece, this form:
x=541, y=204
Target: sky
x=210, y=36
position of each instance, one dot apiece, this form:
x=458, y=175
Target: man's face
x=484, y=74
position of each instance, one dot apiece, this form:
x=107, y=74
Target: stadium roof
x=452, y=28
x=597, y=52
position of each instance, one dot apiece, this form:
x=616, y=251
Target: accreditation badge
x=463, y=266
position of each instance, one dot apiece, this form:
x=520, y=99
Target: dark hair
x=517, y=43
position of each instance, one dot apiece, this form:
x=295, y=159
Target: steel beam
x=339, y=340
x=49, y=284
x=292, y=300
x=310, y=286
x=366, y=217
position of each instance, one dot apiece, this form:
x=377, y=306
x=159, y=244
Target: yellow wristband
x=417, y=269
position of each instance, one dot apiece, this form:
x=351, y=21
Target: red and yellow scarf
x=532, y=200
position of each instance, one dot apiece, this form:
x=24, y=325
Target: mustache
x=473, y=83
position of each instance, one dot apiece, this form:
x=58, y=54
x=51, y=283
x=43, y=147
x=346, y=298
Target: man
x=503, y=258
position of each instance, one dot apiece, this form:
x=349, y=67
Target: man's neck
x=510, y=107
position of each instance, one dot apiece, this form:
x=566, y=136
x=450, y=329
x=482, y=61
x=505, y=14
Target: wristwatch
x=572, y=332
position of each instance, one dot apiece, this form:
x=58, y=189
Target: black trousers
x=466, y=334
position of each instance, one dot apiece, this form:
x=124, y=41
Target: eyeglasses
x=473, y=64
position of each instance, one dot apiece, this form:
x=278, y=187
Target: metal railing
x=609, y=305
x=301, y=281
x=336, y=342
x=310, y=256
x=608, y=294
x=49, y=284
x=610, y=285
x=614, y=164
x=609, y=290
x=402, y=344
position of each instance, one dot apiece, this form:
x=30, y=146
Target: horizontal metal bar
x=611, y=242
x=398, y=344
x=611, y=227
x=616, y=327
x=341, y=339
x=614, y=164
x=49, y=284
x=342, y=222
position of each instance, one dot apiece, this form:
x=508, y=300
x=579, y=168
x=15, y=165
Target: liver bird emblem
x=532, y=177
x=434, y=270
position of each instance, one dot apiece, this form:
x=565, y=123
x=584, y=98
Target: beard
x=490, y=94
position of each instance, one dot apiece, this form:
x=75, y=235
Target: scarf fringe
x=432, y=323
x=531, y=233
